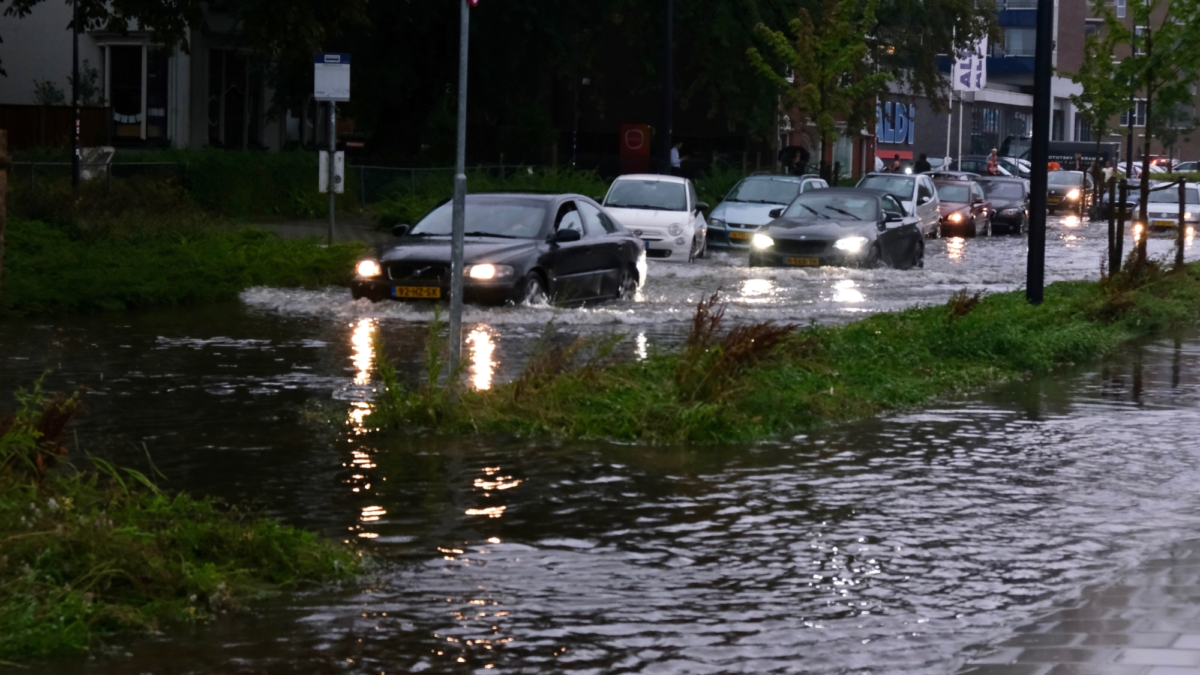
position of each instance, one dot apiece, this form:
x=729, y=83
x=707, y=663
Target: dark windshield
x=648, y=194
x=521, y=219
x=1171, y=196
x=998, y=190
x=1064, y=178
x=764, y=191
x=899, y=187
x=954, y=193
x=826, y=205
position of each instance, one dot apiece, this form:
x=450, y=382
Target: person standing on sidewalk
x=676, y=159
x=993, y=164
x=922, y=165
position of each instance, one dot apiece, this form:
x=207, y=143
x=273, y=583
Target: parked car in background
x=841, y=226
x=1162, y=209
x=748, y=206
x=1132, y=199
x=952, y=175
x=663, y=212
x=1069, y=191
x=914, y=192
x=1017, y=167
x=520, y=249
x=965, y=211
x=1186, y=167
x=978, y=164
x=1009, y=199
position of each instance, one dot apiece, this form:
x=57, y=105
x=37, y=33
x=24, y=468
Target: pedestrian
x=676, y=159
x=993, y=164
x=794, y=159
x=923, y=164
x=1109, y=172
x=1054, y=166
x=896, y=164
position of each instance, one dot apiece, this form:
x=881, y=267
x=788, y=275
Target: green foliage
x=46, y=92
x=764, y=381
x=48, y=269
x=87, y=553
x=1104, y=95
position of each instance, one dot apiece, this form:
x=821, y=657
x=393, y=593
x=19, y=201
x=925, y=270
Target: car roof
x=653, y=176
x=953, y=181
x=888, y=174
x=1001, y=179
x=779, y=177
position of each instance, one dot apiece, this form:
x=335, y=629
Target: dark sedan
x=840, y=226
x=965, y=211
x=1010, y=203
x=520, y=249
x=1069, y=190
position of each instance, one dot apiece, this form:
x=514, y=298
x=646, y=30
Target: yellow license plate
x=416, y=292
x=802, y=262
x=1164, y=223
x=739, y=235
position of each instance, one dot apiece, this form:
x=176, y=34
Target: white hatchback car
x=914, y=192
x=663, y=211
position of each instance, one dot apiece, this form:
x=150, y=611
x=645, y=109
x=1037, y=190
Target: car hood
x=639, y=219
x=1062, y=189
x=475, y=249
x=745, y=213
x=1008, y=204
x=946, y=208
x=819, y=229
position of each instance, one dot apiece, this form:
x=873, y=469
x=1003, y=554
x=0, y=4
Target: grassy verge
x=86, y=553
x=54, y=269
x=769, y=381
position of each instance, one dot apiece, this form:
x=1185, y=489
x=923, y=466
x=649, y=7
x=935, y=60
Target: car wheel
x=942, y=231
x=936, y=233
x=533, y=291
x=693, y=250
x=874, y=256
x=703, y=247
x=919, y=263
x=972, y=229
x=628, y=285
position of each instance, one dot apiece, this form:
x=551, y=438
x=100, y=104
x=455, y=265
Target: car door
x=604, y=251
x=696, y=216
x=573, y=276
x=897, y=239
x=927, y=204
x=979, y=211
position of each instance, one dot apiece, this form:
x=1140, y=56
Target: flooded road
x=898, y=545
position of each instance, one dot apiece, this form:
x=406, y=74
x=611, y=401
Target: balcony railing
x=1016, y=4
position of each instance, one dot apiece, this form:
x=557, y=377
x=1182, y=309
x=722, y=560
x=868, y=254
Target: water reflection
x=1071, y=221
x=483, y=364
x=642, y=347
x=844, y=291
x=364, y=355
x=762, y=288
x=955, y=247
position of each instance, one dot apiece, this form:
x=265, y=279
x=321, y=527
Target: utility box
x=339, y=172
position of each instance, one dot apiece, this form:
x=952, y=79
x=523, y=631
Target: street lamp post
x=75, y=94
x=1039, y=153
x=458, y=215
x=668, y=85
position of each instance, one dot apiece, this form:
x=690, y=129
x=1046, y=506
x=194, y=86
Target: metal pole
x=668, y=85
x=1119, y=253
x=960, y=115
x=332, y=168
x=1129, y=140
x=75, y=93
x=458, y=223
x=1039, y=153
x=949, y=125
x=1182, y=224
x=1114, y=263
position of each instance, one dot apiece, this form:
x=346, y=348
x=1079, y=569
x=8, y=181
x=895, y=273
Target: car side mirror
x=565, y=236
x=701, y=206
x=775, y=213
x=923, y=201
x=399, y=230
x=893, y=218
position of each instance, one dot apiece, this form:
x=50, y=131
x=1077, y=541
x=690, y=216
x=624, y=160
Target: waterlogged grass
x=771, y=381
x=54, y=269
x=84, y=554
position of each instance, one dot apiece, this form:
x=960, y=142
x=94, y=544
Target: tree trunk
x=1144, y=188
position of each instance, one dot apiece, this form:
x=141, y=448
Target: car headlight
x=1073, y=194
x=717, y=222
x=488, y=271
x=761, y=241
x=955, y=217
x=850, y=244
x=369, y=268
x=675, y=230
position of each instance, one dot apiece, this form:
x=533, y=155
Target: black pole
x=1119, y=254
x=1129, y=140
x=1114, y=262
x=668, y=86
x=1179, y=231
x=75, y=93
x=1039, y=153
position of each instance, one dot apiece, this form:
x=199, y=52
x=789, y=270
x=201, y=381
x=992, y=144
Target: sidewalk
x=1147, y=623
x=345, y=229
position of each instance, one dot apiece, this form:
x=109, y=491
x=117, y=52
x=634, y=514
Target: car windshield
x=897, y=186
x=954, y=193
x=833, y=206
x=1064, y=178
x=1171, y=196
x=764, y=191
x=648, y=194
x=508, y=218
x=999, y=190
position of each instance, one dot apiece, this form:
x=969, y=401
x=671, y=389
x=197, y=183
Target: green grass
x=87, y=553
x=770, y=381
x=57, y=269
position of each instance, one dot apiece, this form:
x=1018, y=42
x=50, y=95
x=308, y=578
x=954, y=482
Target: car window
x=487, y=215
x=1003, y=190
x=954, y=192
x=900, y=187
x=924, y=191
x=828, y=205
x=1171, y=196
x=764, y=191
x=592, y=219
x=569, y=219
x=891, y=206
x=661, y=195
x=976, y=193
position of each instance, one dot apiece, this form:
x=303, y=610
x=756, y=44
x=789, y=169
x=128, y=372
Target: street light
x=458, y=213
x=1039, y=153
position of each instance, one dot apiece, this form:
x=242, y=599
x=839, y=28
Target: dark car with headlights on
x=1068, y=190
x=519, y=249
x=854, y=227
x=965, y=211
x=1010, y=202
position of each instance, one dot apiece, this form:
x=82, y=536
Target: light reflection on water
x=955, y=247
x=845, y=291
x=483, y=363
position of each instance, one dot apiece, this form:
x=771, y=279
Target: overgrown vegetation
x=769, y=380
x=55, y=269
x=87, y=552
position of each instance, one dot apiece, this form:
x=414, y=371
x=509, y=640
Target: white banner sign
x=331, y=77
x=339, y=172
x=970, y=68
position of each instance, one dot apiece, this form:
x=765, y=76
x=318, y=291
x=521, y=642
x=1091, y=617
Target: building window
x=1139, y=40
x=234, y=101
x=1120, y=9
x=1020, y=41
x=1091, y=27
x=1139, y=114
x=1083, y=130
x=138, y=114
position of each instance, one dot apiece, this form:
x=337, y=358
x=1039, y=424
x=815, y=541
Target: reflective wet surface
x=906, y=544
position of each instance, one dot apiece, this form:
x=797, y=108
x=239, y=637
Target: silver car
x=749, y=204
x=1162, y=210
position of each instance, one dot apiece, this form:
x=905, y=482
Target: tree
x=1104, y=96
x=835, y=76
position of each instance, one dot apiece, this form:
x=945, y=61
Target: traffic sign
x=331, y=77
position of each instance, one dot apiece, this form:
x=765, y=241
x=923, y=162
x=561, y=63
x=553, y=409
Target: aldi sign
x=331, y=77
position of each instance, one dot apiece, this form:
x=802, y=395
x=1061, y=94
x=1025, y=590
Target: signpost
x=458, y=214
x=331, y=83
x=1039, y=153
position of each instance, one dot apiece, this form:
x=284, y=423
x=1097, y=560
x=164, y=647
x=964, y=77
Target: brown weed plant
x=551, y=360
x=31, y=439
x=961, y=304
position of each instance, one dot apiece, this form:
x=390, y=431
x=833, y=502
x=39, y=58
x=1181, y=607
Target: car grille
x=740, y=226
x=800, y=247
x=406, y=271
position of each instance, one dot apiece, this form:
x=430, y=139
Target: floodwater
x=902, y=545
